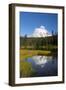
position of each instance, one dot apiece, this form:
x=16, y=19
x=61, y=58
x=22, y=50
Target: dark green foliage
x=43, y=43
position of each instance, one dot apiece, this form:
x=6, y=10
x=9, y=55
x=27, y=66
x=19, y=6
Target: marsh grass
x=29, y=53
x=26, y=69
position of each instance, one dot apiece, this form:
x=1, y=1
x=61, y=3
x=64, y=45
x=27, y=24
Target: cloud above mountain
x=40, y=32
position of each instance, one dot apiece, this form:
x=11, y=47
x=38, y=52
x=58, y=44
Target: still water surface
x=41, y=66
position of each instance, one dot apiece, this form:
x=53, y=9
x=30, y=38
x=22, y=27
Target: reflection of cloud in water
x=41, y=59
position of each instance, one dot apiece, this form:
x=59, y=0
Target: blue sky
x=29, y=21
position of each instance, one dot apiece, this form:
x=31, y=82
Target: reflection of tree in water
x=54, y=59
x=38, y=66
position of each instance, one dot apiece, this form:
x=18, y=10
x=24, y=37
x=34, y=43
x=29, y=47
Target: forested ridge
x=39, y=43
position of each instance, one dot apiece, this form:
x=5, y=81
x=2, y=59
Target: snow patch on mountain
x=40, y=32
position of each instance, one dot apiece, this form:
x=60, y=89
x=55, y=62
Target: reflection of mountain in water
x=41, y=59
x=43, y=65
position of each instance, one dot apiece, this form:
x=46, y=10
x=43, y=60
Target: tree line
x=43, y=43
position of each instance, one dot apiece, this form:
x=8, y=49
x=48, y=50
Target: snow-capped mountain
x=40, y=32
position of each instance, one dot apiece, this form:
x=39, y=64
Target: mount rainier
x=40, y=32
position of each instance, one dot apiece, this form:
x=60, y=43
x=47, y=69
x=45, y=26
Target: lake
x=38, y=65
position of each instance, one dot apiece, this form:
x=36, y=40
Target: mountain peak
x=41, y=32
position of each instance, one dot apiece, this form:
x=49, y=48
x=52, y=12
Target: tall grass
x=29, y=53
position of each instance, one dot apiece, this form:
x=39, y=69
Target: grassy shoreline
x=29, y=53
